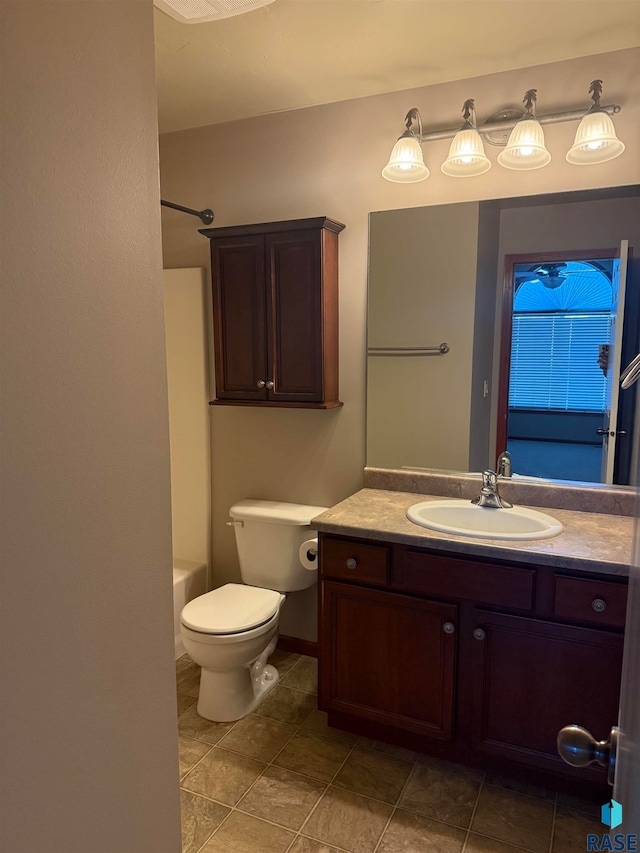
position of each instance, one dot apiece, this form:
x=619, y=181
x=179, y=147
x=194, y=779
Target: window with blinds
x=554, y=361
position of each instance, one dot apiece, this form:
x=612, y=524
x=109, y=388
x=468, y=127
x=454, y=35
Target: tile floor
x=282, y=781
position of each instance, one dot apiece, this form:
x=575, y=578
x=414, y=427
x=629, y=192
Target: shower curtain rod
x=205, y=215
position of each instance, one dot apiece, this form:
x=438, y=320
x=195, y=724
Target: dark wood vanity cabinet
x=275, y=313
x=531, y=677
x=378, y=642
x=468, y=659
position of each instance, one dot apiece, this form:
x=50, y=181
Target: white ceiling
x=298, y=53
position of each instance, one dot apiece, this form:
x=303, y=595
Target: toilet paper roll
x=309, y=560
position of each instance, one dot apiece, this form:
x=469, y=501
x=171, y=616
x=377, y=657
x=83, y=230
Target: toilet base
x=228, y=696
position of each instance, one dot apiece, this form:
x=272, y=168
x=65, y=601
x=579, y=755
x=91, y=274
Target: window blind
x=554, y=361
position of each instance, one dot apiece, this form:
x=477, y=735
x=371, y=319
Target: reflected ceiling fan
x=548, y=275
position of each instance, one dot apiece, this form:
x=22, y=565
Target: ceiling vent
x=200, y=11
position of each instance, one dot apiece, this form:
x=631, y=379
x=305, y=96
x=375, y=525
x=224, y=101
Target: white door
x=618, y=287
x=580, y=749
x=626, y=789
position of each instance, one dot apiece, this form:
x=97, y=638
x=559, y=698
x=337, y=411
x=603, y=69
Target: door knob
x=579, y=748
x=601, y=431
x=260, y=383
x=449, y=628
x=269, y=383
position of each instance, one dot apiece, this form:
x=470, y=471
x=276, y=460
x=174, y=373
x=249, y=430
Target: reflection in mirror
x=562, y=365
x=437, y=275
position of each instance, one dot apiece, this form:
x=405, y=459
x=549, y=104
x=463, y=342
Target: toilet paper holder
x=308, y=554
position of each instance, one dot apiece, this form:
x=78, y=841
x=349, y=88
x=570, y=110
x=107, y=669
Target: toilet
x=232, y=631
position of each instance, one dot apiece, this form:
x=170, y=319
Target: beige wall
x=89, y=761
x=326, y=161
x=186, y=330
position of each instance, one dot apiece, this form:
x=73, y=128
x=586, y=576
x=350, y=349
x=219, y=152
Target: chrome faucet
x=489, y=496
x=504, y=464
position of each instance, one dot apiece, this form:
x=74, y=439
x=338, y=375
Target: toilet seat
x=232, y=609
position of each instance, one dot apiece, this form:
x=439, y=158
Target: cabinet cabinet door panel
x=455, y=578
x=355, y=561
x=597, y=601
x=531, y=678
x=239, y=306
x=389, y=658
x=295, y=309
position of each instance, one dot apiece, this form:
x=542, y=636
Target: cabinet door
x=240, y=318
x=295, y=301
x=387, y=658
x=531, y=678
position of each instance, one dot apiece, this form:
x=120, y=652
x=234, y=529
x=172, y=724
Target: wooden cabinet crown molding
x=311, y=223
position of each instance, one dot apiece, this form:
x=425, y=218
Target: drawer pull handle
x=479, y=634
x=599, y=605
x=449, y=628
x=260, y=383
x=352, y=563
x=269, y=384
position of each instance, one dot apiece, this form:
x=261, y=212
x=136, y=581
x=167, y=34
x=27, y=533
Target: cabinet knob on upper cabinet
x=269, y=383
x=449, y=628
x=260, y=383
x=479, y=634
x=599, y=605
x=352, y=563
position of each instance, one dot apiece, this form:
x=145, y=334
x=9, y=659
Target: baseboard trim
x=298, y=646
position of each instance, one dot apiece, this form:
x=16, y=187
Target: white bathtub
x=189, y=581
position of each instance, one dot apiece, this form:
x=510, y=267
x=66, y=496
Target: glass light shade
x=525, y=148
x=406, y=165
x=596, y=141
x=466, y=155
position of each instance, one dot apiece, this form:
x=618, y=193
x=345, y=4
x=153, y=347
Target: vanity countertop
x=591, y=542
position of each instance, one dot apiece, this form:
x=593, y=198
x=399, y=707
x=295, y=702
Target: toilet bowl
x=231, y=631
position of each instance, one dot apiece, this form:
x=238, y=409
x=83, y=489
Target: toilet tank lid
x=275, y=512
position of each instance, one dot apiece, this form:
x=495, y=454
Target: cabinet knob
x=269, y=383
x=352, y=563
x=599, y=605
x=479, y=634
x=449, y=628
x=260, y=383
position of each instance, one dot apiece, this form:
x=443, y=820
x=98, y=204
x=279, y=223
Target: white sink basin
x=462, y=518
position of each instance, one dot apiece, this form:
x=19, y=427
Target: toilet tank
x=268, y=537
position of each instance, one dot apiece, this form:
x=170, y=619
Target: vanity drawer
x=448, y=577
x=355, y=561
x=601, y=602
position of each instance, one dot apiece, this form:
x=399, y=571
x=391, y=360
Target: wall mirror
x=520, y=290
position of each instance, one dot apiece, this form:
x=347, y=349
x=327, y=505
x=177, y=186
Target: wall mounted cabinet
x=478, y=661
x=275, y=313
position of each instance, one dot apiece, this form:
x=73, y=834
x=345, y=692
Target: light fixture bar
x=552, y=118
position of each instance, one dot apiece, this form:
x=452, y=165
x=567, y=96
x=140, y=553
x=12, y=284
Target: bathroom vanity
x=473, y=650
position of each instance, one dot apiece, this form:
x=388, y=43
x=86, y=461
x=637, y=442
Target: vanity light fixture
x=406, y=164
x=466, y=155
x=525, y=148
x=595, y=142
